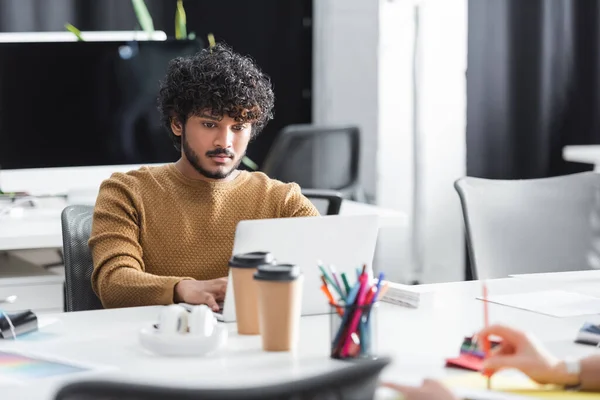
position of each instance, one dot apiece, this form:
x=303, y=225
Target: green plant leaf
x=75, y=32
x=180, y=21
x=143, y=16
x=211, y=40
x=249, y=163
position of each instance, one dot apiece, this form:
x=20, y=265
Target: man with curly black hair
x=165, y=234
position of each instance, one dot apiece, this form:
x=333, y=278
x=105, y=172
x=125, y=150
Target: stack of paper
x=555, y=303
x=562, y=277
x=403, y=295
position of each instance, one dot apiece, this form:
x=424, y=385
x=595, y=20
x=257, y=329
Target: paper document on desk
x=23, y=368
x=568, y=276
x=473, y=385
x=403, y=295
x=555, y=303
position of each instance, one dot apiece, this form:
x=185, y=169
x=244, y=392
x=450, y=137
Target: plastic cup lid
x=251, y=260
x=277, y=272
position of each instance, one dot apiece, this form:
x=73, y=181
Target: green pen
x=332, y=283
x=345, y=280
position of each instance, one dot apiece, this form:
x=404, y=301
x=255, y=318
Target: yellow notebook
x=517, y=385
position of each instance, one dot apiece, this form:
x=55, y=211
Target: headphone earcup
x=202, y=321
x=173, y=319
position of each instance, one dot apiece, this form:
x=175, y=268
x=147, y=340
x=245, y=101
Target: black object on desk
x=23, y=322
x=589, y=334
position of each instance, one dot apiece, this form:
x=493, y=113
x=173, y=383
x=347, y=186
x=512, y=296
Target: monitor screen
x=70, y=104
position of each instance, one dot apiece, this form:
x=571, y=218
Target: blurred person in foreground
x=524, y=352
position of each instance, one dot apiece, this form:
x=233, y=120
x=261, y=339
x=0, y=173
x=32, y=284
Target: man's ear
x=176, y=126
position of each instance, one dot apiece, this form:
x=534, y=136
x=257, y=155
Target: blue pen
x=379, y=280
x=376, y=295
x=365, y=328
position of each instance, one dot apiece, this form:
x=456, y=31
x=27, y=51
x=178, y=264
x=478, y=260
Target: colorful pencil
x=486, y=341
x=346, y=285
x=357, y=312
x=337, y=282
x=330, y=281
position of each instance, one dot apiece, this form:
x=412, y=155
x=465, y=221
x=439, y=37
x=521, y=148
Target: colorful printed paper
x=20, y=367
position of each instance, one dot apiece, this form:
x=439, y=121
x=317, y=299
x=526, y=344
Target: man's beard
x=193, y=159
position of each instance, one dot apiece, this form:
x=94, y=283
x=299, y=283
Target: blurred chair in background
x=76, y=229
x=328, y=202
x=531, y=225
x=317, y=157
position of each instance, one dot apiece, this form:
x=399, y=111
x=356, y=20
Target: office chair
x=356, y=381
x=331, y=197
x=76, y=228
x=317, y=157
x=531, y=226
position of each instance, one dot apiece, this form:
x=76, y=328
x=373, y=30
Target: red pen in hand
x=486, y=340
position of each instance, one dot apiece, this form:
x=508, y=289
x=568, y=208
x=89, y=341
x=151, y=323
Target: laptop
x=345, y=241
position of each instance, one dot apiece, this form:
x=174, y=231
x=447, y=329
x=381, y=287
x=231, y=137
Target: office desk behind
x=418, y=340
x=40, y=227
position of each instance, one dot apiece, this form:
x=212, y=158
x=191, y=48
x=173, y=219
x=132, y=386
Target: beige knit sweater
x=153, y=227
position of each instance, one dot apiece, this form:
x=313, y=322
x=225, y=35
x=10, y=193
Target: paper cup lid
x=277, y=272
x=251, y=260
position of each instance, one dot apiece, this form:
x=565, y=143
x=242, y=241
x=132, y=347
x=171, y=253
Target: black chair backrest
x=331, y=197
x=354, y=381
x=76, y=228
x=316, y=157
x=531, y=225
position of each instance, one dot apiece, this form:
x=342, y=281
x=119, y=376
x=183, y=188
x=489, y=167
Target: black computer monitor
x=71, y=104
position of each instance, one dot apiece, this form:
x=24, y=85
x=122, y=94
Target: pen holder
x=353, y=331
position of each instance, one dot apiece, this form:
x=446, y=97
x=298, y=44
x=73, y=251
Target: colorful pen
x=357, y=313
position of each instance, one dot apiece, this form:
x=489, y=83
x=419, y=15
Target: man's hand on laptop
x=201, y=292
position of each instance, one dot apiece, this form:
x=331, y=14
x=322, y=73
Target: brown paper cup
x=243, y=267
x=245, y=294
x=279, y=305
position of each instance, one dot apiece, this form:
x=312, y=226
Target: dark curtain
x=532, y=86
x=277, y=34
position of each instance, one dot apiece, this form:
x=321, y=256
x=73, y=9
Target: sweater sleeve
x=119, y=278
x=295, y=204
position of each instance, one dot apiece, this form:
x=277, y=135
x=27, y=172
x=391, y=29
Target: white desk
x=41, y=228
x=587, y=154
x=418, y=340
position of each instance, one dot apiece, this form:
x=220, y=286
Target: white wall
x=345, y=73
x=395, y=160
x=442, y=120
x=363, y=74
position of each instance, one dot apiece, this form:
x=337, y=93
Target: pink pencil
x=356, y=317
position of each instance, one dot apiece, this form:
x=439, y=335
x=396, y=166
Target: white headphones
x=176, y=319
x=185, y=333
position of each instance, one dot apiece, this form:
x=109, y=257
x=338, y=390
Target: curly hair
x=219, y=81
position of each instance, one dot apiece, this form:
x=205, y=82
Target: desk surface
x=41, y=227
x=588, y=154
x=418, y=340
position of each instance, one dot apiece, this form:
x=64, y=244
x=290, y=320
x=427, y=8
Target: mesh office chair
x=531, y=226
x=331, y=198
x=357, y=381
x=76, y=228
x=317, y=157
